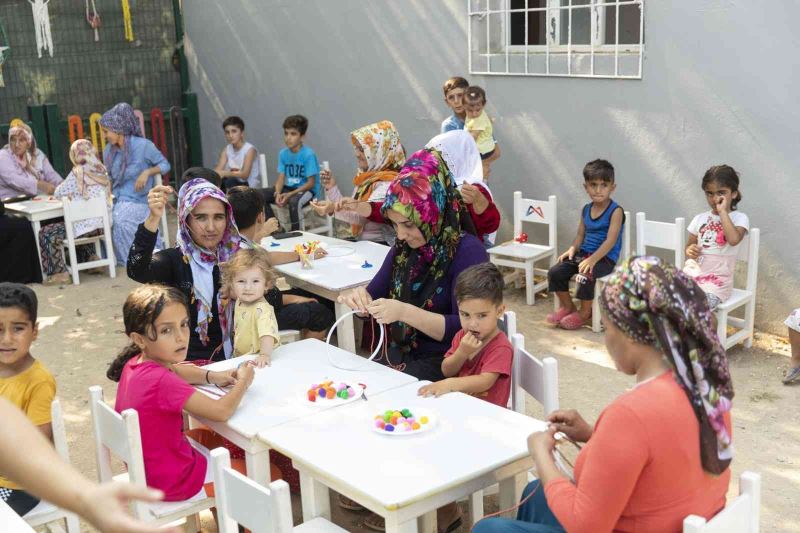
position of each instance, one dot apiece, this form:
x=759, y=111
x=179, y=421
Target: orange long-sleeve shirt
x=641, y=470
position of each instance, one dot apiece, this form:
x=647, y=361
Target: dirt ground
x=81, y=331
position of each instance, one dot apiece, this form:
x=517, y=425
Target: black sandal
x=791, y=375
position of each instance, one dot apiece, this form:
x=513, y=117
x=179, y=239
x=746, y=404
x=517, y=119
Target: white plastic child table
x=332, y=275
x=42, y=208
x=404, y=479
x=278, y=393
x=11, y=522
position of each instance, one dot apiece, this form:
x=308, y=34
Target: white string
x=93, y=19
x=41, y=21
x=371, y=357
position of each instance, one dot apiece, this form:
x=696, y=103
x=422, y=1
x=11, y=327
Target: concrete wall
x=718, y=86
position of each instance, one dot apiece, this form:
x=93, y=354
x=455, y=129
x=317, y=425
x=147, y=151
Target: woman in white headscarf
x=459, y=151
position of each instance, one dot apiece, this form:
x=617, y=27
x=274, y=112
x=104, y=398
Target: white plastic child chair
x=739, y=516
x=240, y=500
x=528, y=375
x=119, y=433
x=80, y=209
x=748, y=254
x=525, y=255
x=624, y=253
x=164, y=226
x=664, y=235
x=45, y=513
x=326, y=228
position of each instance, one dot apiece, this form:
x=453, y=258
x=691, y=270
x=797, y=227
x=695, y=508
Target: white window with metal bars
x=573, y=38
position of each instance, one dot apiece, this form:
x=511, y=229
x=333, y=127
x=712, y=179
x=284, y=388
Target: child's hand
x=263, y=360
x=469, y=345
x=245, y=373
x=693, y=251
x=281, y=199
x=435, y=389
x=569, y=254
x=587, y=265
x=223, y=379
x=723, y=204
x=271, y=226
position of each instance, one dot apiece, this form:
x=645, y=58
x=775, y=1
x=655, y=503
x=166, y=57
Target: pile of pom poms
x=399, y=421
x=329, y=391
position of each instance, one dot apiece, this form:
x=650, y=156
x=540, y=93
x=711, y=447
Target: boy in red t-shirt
x=479, y=360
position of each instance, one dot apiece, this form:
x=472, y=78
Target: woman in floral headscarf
x=659, y=452
x=88, y=179
x=413, y=292
x=379, y=155
x=132, y=161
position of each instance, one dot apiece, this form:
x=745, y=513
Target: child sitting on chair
x=24, y=381
x=480, y=357
x=594, y=251
x=238, y=161
x=247, y=277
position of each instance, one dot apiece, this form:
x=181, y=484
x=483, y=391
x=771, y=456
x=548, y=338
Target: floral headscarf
x=122, y=120
x=385, y=156
x=461, y=154
x=202, y=260
x=28, y=160
x=656, y=304
x=87, y=168
x=424, y=193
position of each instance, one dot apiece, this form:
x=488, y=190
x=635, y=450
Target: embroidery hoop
x=362, y=364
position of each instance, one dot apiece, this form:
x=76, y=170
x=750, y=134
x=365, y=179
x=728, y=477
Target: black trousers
x=559, y=275
x=294, y=206
x=19, y=500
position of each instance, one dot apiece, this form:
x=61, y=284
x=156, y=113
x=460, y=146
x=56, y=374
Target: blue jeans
x=533, y=517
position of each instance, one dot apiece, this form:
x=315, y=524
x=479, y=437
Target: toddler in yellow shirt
x=479, y=125
x=24, y=381
x=247, y=277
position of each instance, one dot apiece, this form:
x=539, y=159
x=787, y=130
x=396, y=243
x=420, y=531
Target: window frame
x=597, y=45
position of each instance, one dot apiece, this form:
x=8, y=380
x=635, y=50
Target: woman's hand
x=472, y=195
x=541, y=444
x=387, y=310
x=141, y=181
x=45, y=187
x=106, y=507
x=322, y=207
x=157, y=202
x=571, y=424
x=327, y=179
x=223, y=379
x=245, y=373
x=357, y=299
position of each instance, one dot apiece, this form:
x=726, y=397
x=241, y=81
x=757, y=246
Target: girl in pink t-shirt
x=152, y=382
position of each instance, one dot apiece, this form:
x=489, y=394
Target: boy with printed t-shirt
x=479, y=359
x=24, y=381
x=298, y=169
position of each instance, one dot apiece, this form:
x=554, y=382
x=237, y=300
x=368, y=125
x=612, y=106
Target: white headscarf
x=461, y=154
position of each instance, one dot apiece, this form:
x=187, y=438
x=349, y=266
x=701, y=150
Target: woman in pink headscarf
x=24, y=169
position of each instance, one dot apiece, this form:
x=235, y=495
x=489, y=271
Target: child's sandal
x=554, y=319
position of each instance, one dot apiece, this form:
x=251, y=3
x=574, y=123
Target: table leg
x=344, y=331
x=427, y=522
x=258, y=466
x=410, y=526
x=474, y=507
x=36, y=227
x=315, y=497
x=509, y=494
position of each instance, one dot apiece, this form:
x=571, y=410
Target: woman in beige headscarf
x=88, y=179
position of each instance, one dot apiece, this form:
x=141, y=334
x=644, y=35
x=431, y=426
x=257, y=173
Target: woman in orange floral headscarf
x=380, y=155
